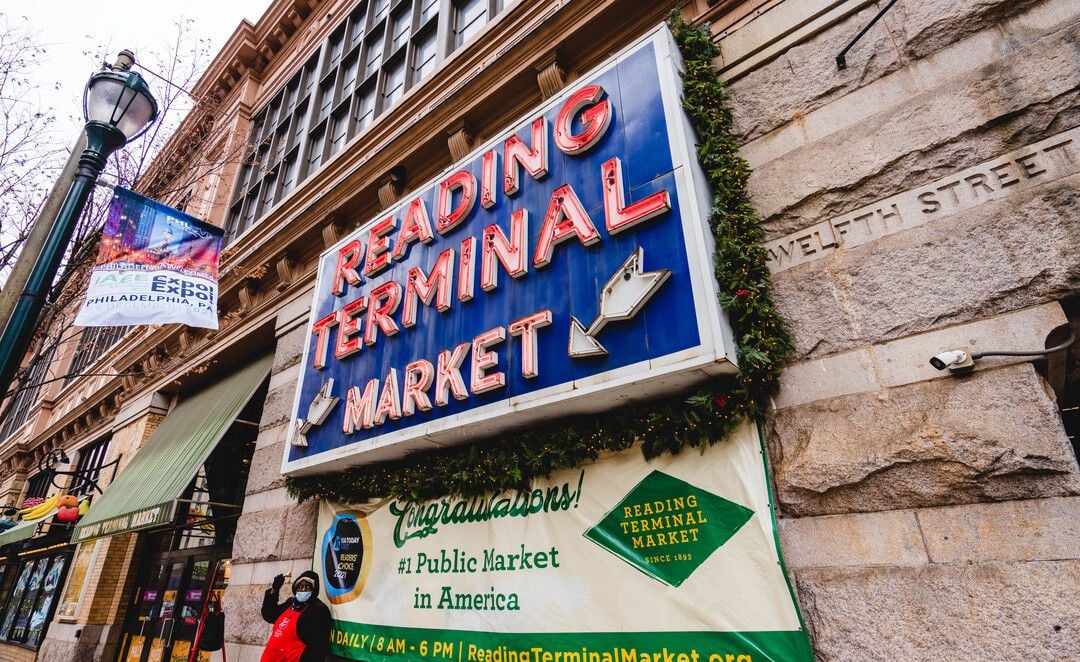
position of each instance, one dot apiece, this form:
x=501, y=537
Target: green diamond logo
x=666, y=527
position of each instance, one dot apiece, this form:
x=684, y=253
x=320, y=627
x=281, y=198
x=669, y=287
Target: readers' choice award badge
x=346, y=554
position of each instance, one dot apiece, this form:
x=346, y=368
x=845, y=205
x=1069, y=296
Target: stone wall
x=273, y=534
x=921, y=199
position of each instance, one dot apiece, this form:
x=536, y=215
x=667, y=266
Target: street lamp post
x=118, y=108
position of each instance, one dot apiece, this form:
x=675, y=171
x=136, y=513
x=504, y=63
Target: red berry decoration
x=719, y=401
x=742, y=293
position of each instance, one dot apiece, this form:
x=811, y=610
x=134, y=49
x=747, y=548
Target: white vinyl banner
x=156, y=265
x=623, y=560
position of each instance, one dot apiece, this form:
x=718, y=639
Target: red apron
x=284, y=645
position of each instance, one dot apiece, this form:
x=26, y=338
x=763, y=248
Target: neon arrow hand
x=623, y=296
x=321, y=406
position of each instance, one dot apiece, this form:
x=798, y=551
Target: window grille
x=40, y=485
x=20, y=404
x=88, y=468
x=93, y=343
x=380, y=51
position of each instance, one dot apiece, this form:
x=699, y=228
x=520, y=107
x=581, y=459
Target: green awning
x=23, y=530
x=144, y=493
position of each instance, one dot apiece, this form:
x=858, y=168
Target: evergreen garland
x=511, y=461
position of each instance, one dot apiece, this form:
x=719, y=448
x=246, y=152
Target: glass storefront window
x=29, y=609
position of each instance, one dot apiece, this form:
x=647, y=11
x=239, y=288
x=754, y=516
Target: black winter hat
x=313, y=576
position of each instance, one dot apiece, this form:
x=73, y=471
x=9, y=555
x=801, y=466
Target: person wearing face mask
x=301, y=624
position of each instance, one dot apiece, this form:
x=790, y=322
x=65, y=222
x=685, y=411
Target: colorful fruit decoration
x=41, y=510
x=30, y=502
x=67, y=513
x=67, y=508
x=84, y=506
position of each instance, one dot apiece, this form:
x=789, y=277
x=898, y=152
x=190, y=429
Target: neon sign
x=563, y=267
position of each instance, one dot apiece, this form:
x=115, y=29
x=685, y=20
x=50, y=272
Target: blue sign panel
x=562, y=268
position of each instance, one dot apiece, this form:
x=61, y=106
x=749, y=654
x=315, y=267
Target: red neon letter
x=321, y=329
x=595, y=119
x=467, y=270
x=389, y=402
x=482, y=360
x=535, y=160
x=565, y=217
x=418, y=377
x=489, y=165
x=346, y=345
x=617, y=215
x=378, y=257
x=448, y=375
x=447, y=218
x=360, y=409
x=509, y=252
x=384, y=302
x=347, y=257
x=417, y=225
x=526, y=328
x=438, y=286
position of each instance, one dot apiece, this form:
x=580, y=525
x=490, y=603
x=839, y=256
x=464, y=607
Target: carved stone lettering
x=1045, y=161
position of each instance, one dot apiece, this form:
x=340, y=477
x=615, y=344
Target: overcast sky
x=73, y=32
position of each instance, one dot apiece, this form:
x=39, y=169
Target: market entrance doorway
x=186, y=565
x=172, y=590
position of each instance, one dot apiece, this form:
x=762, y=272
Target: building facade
x=922, y=198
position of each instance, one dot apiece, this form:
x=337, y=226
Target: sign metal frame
x=637, y=382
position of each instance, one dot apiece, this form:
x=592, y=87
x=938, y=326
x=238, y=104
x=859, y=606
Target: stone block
x=906, y=361
x=828, y=377
x=990, y=611
x=248, y=653
x=289, y=349
x=294, y=313
x=263, y=572
x=1003, y=255
x=1006, y=104
x=300, y=521
x=264, y=473
x=889, y=538
x=243, y=620
x=268, y=436
x=1048, y=16
x=259, y=535
x=805, y=77
x=1029, y=530
x=994, y=435
x=278, y=406
x=813, y=303
x=921, y=27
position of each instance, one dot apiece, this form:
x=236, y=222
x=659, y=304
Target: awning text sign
x=562, y=268
x=140, y=519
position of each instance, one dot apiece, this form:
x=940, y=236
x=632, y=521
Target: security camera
x=952, y=359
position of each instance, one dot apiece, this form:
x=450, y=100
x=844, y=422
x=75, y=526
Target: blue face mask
x=303, y=596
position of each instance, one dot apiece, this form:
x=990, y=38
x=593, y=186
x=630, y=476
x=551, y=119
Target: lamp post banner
x=156, y=265
x=620, y=560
